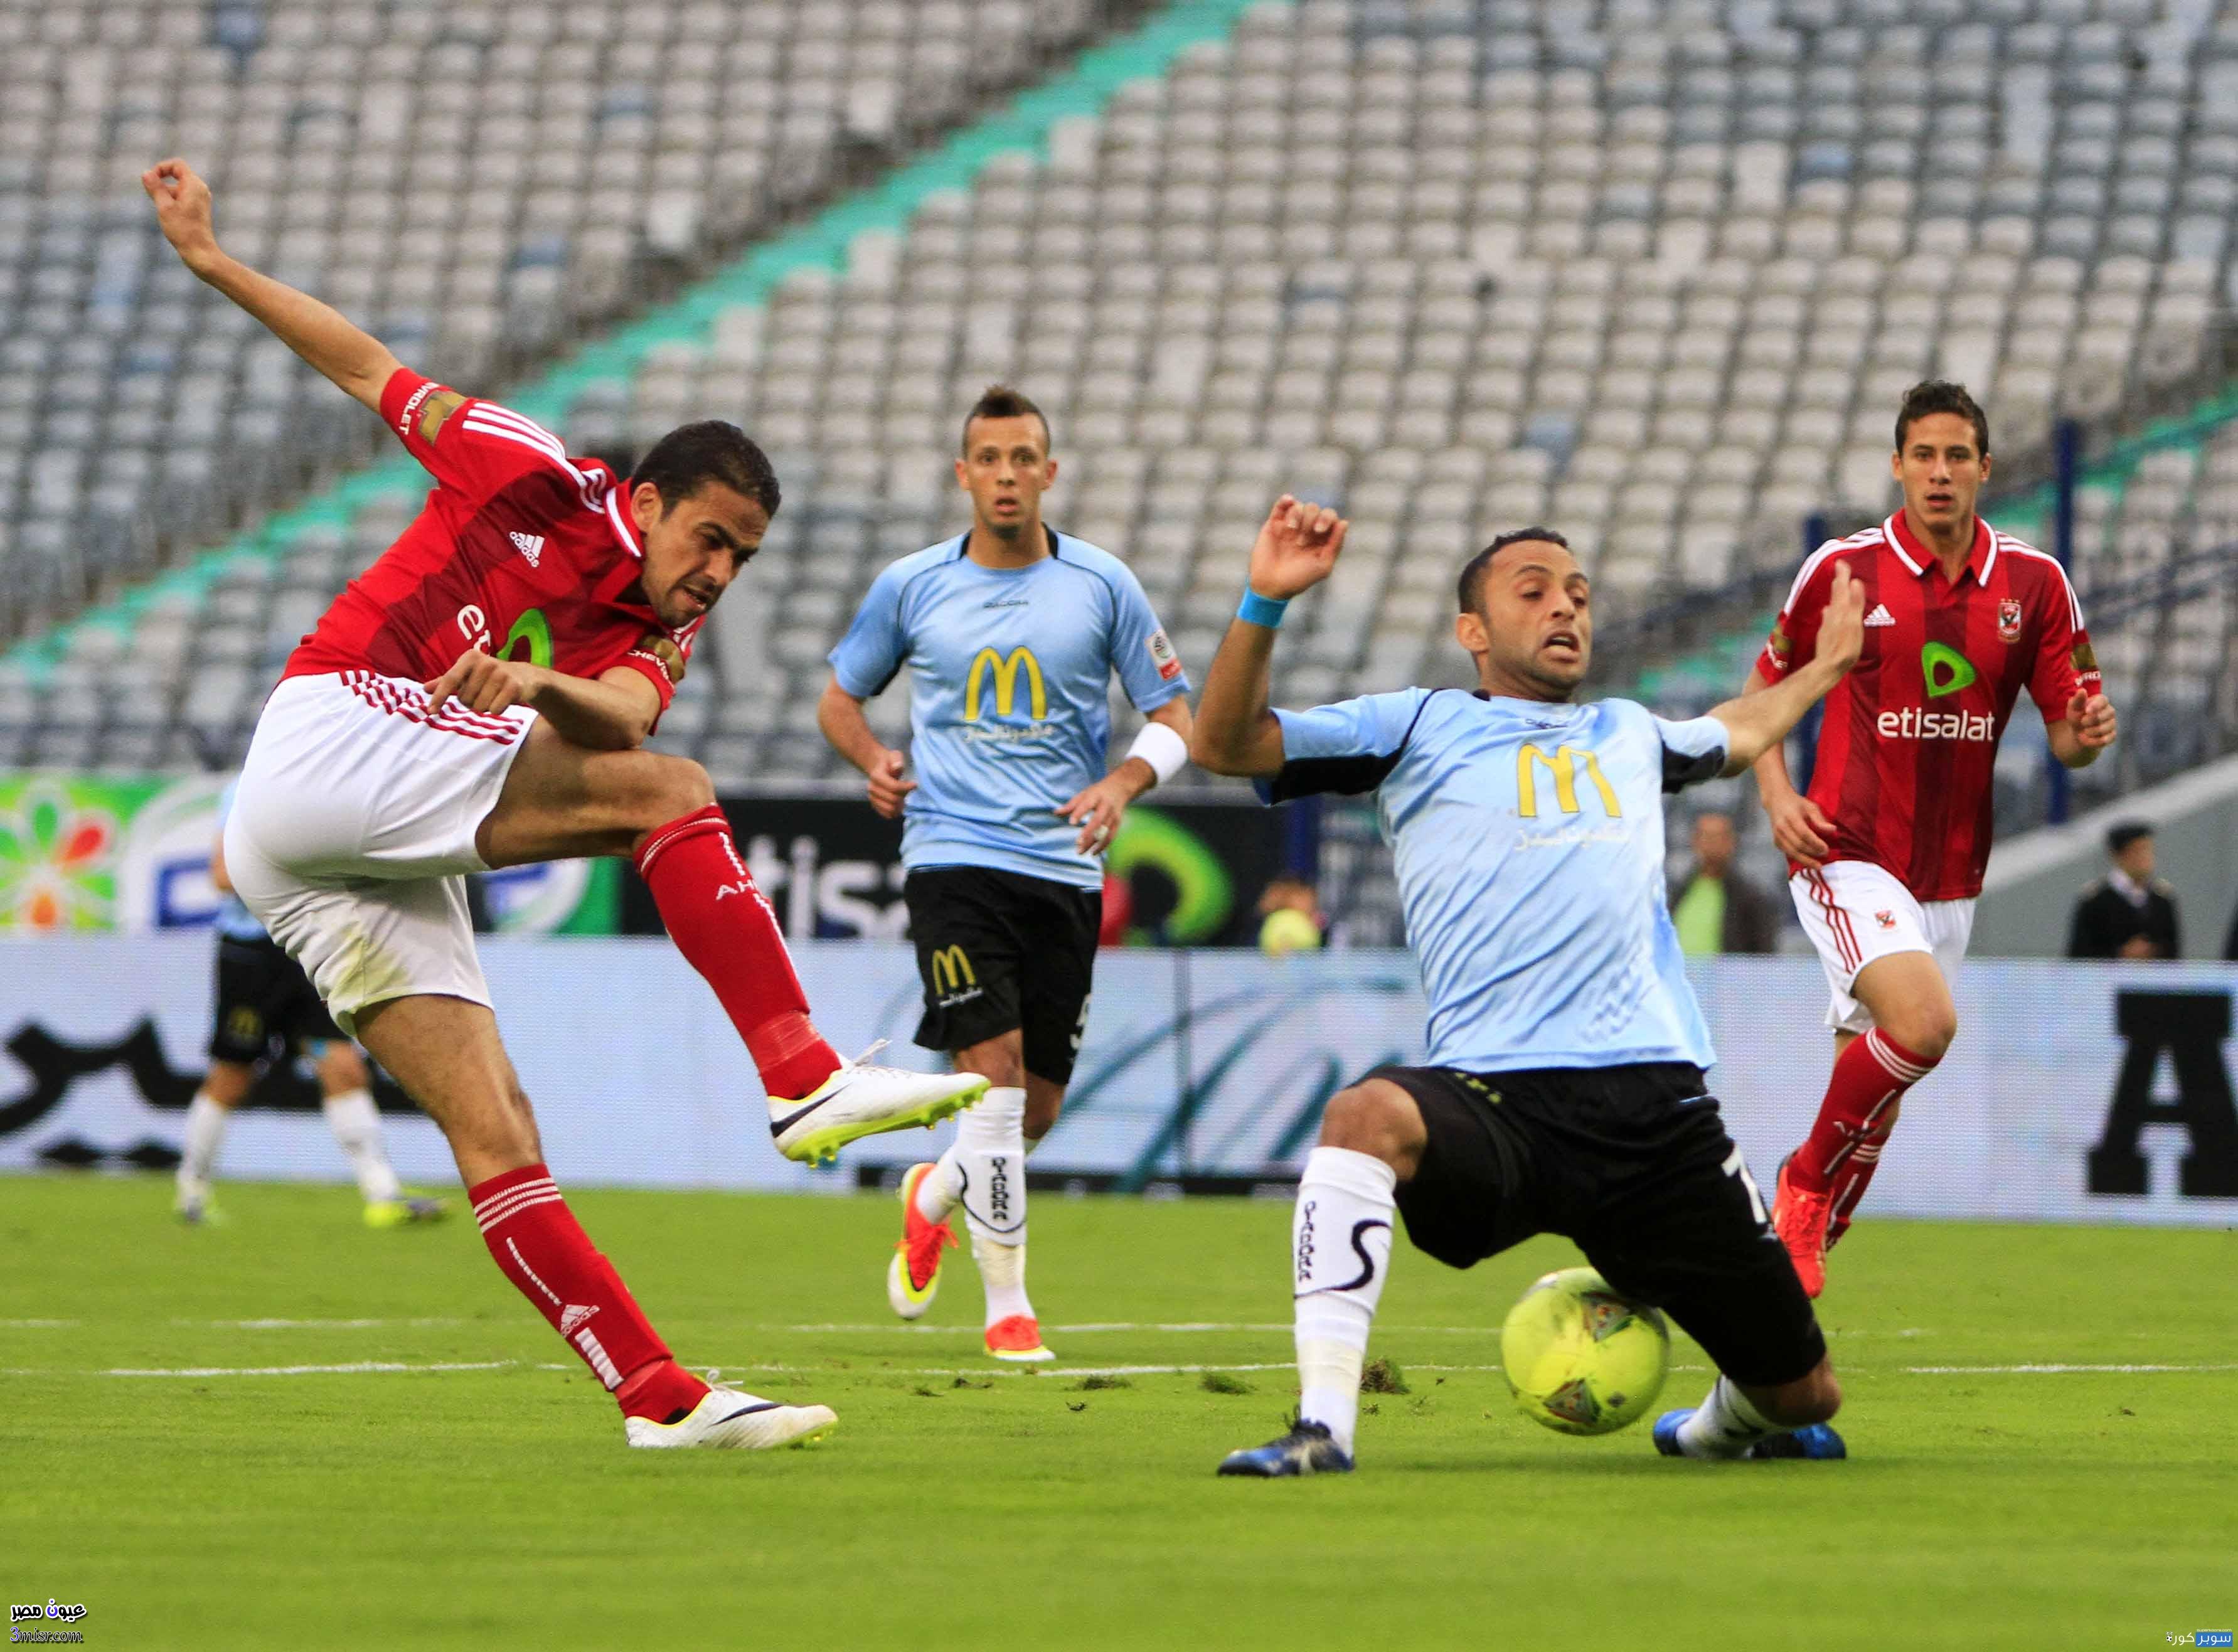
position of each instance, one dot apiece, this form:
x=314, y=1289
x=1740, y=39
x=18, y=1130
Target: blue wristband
x=1260, y=610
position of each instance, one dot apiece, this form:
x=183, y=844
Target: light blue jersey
x=233, y=920
x=1528, y=840
x=1010, y=712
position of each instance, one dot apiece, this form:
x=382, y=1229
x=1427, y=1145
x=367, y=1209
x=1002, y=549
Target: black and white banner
x=2095, y=1092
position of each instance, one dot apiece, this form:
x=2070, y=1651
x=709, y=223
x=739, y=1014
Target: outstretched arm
x=1236, y=732
x=352, y=358
x=1759, y=719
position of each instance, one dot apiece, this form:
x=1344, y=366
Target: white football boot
x=862, y=1101
x=727, y=1420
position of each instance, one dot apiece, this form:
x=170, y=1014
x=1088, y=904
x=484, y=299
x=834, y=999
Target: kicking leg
x=445, y=1053
x=1372, y=1139
x=560, y=799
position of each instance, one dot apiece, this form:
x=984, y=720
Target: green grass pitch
x=481, y=1494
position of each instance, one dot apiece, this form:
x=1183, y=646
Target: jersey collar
x=619, y=523
x=964, y=545
x=1919, y=559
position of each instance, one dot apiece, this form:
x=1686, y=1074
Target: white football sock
x=1725, y=1424
x=206, y=1123
x=357, y=1127
x=937, y=1193
x=1003, y=1272
x=1339, y=1252
x=990, y=1167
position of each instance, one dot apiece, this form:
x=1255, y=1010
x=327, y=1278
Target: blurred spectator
x=1291, y=917
x=1715, y=909
x=2129, y=912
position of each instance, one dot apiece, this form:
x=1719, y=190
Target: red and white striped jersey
x=1910, y=738
x=520, y=551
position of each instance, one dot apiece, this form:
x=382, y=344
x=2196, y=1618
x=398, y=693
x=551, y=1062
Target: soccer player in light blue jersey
x=1010, y=632
x=1563, y=1089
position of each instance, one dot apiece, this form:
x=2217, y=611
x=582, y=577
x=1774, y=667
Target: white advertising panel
x=2074, y=1091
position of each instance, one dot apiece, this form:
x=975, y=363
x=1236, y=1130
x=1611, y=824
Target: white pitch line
x=2041, y=1371
x=353, y=1369
x=37, y=1324
x=1191, y=1327
x=315, y=1324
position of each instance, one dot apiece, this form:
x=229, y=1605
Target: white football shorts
x=1855, y=912
x=353, y=825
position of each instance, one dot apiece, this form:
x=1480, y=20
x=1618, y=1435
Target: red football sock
x=1854, y=1175
x=550, y=1259
x=725, y=930
x=1869, y=1077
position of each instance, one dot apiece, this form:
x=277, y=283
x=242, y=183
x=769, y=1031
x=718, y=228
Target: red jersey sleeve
x=1794, y=638
x=473, y=447
x=662, y=658
x=2064, y=661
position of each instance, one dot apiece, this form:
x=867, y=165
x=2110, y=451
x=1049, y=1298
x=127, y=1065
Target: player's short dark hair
x=2121, y=835
x=712, y=450
x=1940, y=395
x=1472, y=578
x=1001, y=402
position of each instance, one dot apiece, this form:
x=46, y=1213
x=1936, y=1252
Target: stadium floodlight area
x=1656, y=271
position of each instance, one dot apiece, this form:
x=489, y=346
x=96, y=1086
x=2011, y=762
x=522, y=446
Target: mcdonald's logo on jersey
x=1006, y=671
x=1563, y=767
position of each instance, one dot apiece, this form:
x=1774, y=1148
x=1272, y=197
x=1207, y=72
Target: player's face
x=1533, y=632
x=695, y=547
x=1006, y=468
x=1942, y=469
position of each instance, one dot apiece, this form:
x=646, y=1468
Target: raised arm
x=1235, y=731
x=1757, y=721
x=352, y=358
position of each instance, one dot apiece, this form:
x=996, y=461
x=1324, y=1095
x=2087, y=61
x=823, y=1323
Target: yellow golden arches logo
x=952, y=970
x=1006, y=682
x=1563, y=766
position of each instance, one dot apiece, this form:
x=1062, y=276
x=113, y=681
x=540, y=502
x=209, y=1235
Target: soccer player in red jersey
x=1888, y=849
x=479, y=698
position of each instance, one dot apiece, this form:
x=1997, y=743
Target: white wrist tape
x=1166, y=752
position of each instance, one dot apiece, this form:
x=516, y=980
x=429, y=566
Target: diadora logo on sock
x=998, y=1188
x=1306, y=1242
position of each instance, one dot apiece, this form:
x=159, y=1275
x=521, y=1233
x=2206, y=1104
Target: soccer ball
x=1580, y=1358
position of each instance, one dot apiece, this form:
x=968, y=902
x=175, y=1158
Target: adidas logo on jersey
x=531, y=546
x=1880, y=615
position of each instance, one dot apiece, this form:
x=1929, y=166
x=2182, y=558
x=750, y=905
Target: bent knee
x=1377, y=1118
x=1929, y=1033
x=1814, y=1398
x=673, y=788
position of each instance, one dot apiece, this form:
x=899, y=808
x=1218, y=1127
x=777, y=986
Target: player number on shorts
x=1736, y=1165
